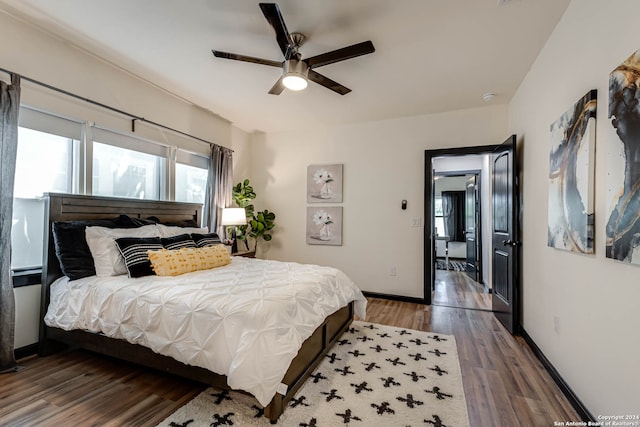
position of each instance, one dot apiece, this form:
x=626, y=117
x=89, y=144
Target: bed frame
x=66, y=207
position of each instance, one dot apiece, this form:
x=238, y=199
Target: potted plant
x=259, y=224
x=243, y=195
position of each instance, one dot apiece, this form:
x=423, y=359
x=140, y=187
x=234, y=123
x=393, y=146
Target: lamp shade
x=233, y=216
x=295, y=74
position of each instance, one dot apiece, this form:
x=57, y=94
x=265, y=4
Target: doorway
x=456, y=287
x=458, y=206
x=502, y=266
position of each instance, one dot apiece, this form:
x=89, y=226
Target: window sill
x=26, y=277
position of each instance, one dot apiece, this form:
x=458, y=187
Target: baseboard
x=27, y=350
x=395, y=297
x=577, y=404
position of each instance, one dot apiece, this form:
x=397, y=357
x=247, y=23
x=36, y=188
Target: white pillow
x=104, y=250
x=170, y=230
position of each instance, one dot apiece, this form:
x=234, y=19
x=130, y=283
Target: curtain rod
x=108, y=107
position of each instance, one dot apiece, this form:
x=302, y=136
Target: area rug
x=375, y=375
x=453, y=265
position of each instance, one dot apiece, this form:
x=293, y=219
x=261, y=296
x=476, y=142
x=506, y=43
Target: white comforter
x=246, y=320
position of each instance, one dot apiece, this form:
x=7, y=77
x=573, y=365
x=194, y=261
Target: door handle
x=510, y=243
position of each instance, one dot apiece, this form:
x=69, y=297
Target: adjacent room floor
x=456, y=289
x=504, y=383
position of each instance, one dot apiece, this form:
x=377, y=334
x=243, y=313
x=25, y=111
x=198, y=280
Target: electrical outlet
x=416, y=222
x=556, y=324
x=393, y=271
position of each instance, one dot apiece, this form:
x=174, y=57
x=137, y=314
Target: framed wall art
x=623, y=158
x=324, y=225
x=324, y=183
x=571, y=177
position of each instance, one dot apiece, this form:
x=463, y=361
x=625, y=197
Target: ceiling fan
x=295, y=70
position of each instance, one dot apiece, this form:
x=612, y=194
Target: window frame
x=84, y=134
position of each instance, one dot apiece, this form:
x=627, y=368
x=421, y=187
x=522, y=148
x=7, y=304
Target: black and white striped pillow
x=134, y=251
x=178, y=242
x=203, y=240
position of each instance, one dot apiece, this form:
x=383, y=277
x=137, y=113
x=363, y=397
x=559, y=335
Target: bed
x=315, y=330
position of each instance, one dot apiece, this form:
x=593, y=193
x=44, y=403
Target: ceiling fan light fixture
x=295, y=74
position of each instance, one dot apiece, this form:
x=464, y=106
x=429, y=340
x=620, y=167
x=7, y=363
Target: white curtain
x=220, y=187
x=9, y=107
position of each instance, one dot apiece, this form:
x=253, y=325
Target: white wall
x=596, y=300
x=383, y=164
x=27, y=315
x=40, y=56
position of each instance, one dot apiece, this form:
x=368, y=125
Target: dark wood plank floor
x=505, y=385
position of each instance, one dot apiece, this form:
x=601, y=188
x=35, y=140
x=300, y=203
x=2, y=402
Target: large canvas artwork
x=623, y=174
x=324, y=225
x=571, y=177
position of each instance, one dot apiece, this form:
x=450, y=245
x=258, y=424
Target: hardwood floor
x=84, y=389
x=456, y=289
x=504, y=383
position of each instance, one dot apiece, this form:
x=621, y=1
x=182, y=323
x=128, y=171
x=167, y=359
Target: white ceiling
x=431, y=55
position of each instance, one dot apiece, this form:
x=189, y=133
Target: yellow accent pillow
x=179, y=261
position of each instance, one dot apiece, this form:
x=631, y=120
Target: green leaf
x=258, y=222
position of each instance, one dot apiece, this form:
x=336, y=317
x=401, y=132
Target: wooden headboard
x=69, y=207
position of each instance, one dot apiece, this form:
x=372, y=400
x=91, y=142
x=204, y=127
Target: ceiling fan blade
x=328, y=83
x=277, y=88
x=245, y=58
x=348, y=52
x=271, y=11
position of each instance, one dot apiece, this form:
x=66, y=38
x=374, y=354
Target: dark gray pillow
x=71, y=246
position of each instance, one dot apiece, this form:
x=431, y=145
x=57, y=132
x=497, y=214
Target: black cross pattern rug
x=452, y=265
x=375, y=375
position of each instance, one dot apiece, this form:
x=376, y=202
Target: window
x=438, y=216
x=128, y=166
x=51, y=158
x=44, y=163
x=121, y=172
x=191, y=177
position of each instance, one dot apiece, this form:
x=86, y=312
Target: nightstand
x=246, y=254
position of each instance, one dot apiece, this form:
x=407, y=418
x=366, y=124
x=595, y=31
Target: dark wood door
x=432, y=239
x=505, y=230
x=470, y=232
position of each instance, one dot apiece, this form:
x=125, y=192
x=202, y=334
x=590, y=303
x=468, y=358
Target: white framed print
x=324, y=183
x=324, y=225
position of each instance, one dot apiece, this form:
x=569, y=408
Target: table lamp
x=233, y=217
